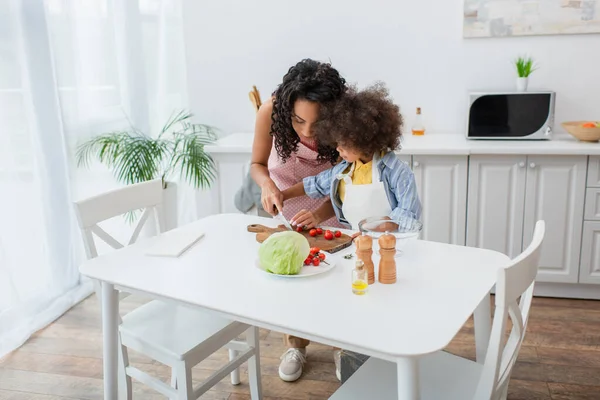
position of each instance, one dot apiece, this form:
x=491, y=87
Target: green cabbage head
x=284, y=253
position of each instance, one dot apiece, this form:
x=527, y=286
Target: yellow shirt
x=362, y=175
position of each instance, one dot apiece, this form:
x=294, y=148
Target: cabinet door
x=589, y=268
x=495, y=203
x=555, y=193
x=442, y=187
x=593, y=179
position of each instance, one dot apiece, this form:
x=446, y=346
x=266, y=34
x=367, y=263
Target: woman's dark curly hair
x=366, y=121
x=308, y=80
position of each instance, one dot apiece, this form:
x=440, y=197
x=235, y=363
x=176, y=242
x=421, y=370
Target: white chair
x=445, y=376
x=174, y=335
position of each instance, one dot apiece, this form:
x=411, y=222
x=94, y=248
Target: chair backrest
x=513, y=282
x=146, y=195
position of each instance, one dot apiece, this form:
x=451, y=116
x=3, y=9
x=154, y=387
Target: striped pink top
x=301, y=164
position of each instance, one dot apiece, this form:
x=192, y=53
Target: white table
x=439, y=286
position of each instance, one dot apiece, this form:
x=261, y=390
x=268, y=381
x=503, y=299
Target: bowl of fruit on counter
x=586, y=131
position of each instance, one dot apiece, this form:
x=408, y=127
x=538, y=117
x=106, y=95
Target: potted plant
x=177, y=151
x=525, y=66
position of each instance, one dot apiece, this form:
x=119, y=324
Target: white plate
x=306, y=270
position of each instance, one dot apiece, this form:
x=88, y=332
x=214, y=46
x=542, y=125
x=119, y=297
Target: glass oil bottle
x=360, y=279
x=418, y=129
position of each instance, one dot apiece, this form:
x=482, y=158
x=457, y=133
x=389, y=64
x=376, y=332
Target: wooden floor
x=560, y=359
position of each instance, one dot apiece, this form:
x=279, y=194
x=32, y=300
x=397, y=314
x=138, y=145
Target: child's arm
x=311, y=219
x=314, y=187
x=318, y=186
x=405, y=191
x=296, y=190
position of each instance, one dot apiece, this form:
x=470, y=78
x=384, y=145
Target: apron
x=364, y=201
x=300, y=165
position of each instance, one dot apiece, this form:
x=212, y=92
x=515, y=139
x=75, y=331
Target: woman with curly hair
x=285, y=150
x=371, y=181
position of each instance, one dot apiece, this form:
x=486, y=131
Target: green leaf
x=104, y=148
x=176, y=118
x=195, y=165
x=525, y=66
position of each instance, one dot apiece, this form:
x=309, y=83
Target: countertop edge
x=442, y=144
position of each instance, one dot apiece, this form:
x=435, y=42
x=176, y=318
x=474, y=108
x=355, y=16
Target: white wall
x=415, y=46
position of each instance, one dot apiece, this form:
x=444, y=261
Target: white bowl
x=405, y=230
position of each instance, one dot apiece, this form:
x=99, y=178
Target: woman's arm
x=271, y=197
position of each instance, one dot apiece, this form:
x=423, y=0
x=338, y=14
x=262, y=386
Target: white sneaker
x=292, y=363
x=337, y=359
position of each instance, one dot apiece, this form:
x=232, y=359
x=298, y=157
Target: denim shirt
x=397, y=178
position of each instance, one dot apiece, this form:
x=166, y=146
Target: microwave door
x=508, y=116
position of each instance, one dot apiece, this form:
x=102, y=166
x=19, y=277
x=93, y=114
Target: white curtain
x=69, y=69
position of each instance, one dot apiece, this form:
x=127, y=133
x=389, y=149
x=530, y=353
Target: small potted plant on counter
x=525, y=67
x=176, y=152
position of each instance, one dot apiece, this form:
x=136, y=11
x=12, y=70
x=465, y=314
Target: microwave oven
x=511, y=115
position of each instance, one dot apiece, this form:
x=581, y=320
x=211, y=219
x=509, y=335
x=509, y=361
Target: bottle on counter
x=359, y=278
x=418, y=129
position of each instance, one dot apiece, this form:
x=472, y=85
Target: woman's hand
x=306, y=219
x=271, y=198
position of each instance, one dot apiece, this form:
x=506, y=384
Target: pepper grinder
x=387, y=263
x=364, y=251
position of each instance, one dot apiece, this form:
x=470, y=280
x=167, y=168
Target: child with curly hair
x=365, y=127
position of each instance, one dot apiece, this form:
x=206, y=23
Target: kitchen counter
x=445, y=144
x=489, y=194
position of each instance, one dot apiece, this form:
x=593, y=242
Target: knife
x=282, y=219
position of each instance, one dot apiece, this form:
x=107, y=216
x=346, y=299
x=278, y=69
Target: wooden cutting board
x=330, y=246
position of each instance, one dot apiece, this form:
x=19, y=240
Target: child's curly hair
x=366, y=121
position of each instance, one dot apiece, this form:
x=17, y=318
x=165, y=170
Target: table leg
x=110, y=315
x=482, y=320
x=408, y=378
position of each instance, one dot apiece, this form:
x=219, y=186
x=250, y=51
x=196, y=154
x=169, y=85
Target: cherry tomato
x=299, y=229
x=319, y=231
x=321, y=256
x=308, y=261
x=316, y=261
x=337, y=234
x=314, y=250
x=313, y=232
x=328, y=235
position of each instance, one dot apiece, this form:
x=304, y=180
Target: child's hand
x=306, y=219
x=386, y=227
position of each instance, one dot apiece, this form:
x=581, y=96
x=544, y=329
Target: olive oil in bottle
x=360, y=279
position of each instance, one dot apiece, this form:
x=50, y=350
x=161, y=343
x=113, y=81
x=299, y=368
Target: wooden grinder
x=364, y=251
x=387, y=263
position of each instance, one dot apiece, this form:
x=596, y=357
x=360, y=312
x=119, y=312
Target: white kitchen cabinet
x=230, y=177
x=593, y=179
x=406, y=159
x=589, y=268
x=496, y=201
x=555, y=193
x=442, y=187
x=592, y=204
